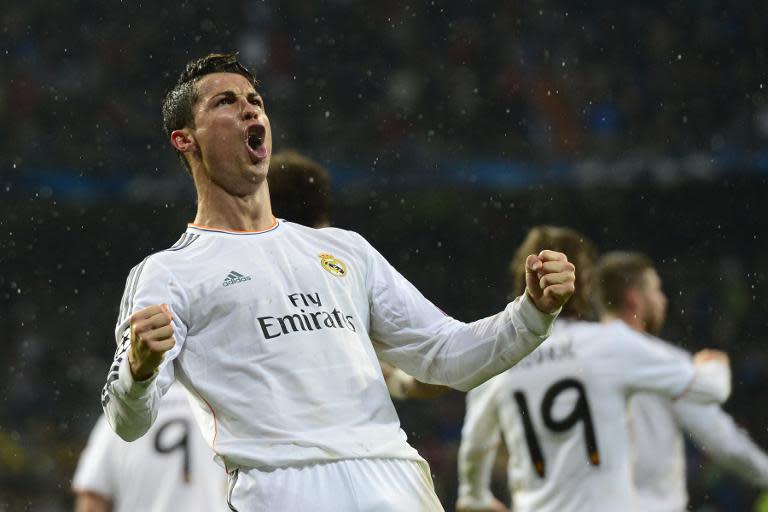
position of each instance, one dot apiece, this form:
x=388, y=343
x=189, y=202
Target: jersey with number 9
x=169, y=468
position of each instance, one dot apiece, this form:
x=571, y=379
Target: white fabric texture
x=657, y=425
x=277, y=338
x=359, y=485
x=579, y=378
x=170, y=468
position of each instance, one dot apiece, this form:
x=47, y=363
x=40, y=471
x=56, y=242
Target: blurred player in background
x=170, y=469
x=300, y=190
x=561, y=409
x=276, y=328
x=629, y=289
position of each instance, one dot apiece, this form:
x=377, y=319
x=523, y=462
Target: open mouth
x=255, y=136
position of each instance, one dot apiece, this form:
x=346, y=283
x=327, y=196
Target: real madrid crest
x=333, y=265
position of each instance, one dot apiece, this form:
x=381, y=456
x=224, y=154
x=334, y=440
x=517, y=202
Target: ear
x=183, y=140
x=632, y=300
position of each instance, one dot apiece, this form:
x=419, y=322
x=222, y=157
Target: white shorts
x=349, y=485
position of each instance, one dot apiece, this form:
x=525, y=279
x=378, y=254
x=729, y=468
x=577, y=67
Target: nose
x=249, y=111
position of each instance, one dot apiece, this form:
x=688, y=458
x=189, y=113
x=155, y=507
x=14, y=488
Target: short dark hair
x=299, y=189
x=579, y=249
x=617, y=272
x=179, y=102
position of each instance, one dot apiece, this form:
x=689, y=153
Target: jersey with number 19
x=562, y=413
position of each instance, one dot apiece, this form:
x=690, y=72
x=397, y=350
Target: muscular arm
x=86, y=501
x=147, y=334
x=451, y=353
x=131, y=396
x=403, y=386
x=409, y=332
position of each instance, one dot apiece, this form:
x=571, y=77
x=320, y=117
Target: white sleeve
x=131, y=406
x=94, y=471
x=480, y=438
x=411, y=333
x=715, y=432
x=649, y=365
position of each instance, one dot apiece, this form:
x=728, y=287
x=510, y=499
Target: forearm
x=467, y=355
x=475, y=471
x=403, y=386
x=728, y=445
x=130, y=406
x=747, y=461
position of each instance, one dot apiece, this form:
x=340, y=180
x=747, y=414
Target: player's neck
x=219, y=209
x=627, y=317
x=631, y=320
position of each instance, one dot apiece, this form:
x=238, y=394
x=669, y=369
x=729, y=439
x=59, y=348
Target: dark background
x=449, y=128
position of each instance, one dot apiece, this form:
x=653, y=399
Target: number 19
x=580, y=412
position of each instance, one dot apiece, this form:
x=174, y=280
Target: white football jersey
x=277, y=337
x=170, y=468
x=656, y=426
x=562, y=414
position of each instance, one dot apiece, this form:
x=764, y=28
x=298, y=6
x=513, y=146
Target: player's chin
x=256, y=173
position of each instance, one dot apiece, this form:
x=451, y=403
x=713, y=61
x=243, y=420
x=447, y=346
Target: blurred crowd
x=377, y=88
x=404, y=83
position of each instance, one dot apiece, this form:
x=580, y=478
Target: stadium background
x=449, y=128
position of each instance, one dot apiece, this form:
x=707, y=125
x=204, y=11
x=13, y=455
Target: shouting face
x=231, y=136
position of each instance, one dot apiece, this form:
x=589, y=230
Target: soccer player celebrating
x=561, y=409
x=170, y=468
x=629, y=290
x=275, y=328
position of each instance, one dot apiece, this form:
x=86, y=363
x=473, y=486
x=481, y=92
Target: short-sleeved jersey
x=278, y=335
x=656, y=427
x=562, y=414
x=170, y=468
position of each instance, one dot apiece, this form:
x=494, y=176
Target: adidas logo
x=234, y=278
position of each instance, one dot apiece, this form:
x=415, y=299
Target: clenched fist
x=708, y=354
x=549, y=280
x=151, y=338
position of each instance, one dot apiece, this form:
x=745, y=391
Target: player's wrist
x=140, y=372
x=399, y=384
